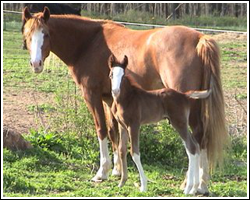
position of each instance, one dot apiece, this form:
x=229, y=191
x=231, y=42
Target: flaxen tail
x=213, y=114
x=203, y=94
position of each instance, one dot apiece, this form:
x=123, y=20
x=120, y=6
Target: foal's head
x=117, y=71
x=36, y=37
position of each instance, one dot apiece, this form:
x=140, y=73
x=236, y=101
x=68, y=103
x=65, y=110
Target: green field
x=66, y=152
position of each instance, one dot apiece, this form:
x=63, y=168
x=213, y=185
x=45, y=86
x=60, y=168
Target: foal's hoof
x=122, y=183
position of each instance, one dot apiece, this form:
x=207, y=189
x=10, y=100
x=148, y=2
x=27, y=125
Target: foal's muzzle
x=115, y=92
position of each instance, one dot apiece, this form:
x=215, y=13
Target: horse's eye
x=46, y=35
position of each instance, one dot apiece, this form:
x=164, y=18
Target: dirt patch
x=16, y=113
x=228, y=37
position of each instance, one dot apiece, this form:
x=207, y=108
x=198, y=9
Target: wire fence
x=16, y=62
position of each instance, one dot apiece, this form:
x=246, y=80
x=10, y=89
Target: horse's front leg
x=94, y=102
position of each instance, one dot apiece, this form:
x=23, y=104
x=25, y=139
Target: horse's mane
x=38, y=22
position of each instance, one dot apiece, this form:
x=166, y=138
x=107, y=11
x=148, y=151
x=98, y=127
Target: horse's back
x=176, y=57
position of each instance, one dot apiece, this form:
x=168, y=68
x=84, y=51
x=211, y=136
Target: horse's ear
x=46, y=14
x=26, y=14
x=125, y=61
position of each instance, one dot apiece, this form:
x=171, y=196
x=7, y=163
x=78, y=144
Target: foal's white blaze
x=36, y=50
x=118, y=73
x=192, y=174
x=105, y=161
x=143, y=178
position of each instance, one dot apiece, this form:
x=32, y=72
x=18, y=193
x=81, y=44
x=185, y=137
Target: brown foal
x=134, y=106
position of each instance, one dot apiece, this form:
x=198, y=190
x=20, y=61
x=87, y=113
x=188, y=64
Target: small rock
x=14, y=141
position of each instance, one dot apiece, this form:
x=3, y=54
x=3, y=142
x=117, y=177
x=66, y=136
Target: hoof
x=203, y=191
x=187, y=190
x=143, y=189
x=99, y=178
x=122, y=183
x=115, y=172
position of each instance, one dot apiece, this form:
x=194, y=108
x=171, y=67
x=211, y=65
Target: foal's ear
x=46, y=14
x=111, y=60
x=125, y=62
x=26, y=14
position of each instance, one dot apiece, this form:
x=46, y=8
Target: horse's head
x=117, y=71
x=36, y=37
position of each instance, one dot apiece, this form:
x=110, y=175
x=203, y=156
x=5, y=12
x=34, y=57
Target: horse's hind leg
x=123, y=155
x=197, y=129
x=135, y=153
x=192, y=149
x=204, y=173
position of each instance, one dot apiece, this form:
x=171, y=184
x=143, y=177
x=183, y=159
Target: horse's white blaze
x=118, y=73
x=36, y=46
x=143, y=178
x=105, y=161
x=115, y=171
x=192, y=174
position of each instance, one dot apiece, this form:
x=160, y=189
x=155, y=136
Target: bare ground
x=16, y=112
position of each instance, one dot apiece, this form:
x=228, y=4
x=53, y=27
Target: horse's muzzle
x=37, y=66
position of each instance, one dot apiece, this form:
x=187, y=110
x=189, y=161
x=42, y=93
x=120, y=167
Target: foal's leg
x=113, y=133
x=123, y=155
x=93, y=100
x=135, y=153
x=192, y=149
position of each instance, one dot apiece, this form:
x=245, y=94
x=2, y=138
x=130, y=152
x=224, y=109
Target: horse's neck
x=70, y=37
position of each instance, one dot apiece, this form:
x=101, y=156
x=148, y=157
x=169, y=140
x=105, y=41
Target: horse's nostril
x=40, y=63
x=30, y=63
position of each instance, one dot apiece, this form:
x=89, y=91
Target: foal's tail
x=212, y=109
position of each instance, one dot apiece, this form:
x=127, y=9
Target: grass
x=65, y=156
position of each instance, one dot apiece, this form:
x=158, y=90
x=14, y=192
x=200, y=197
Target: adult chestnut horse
x=176, y=57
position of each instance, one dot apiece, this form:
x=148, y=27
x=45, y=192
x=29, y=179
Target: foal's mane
x=132, y=81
